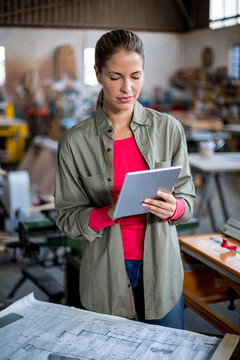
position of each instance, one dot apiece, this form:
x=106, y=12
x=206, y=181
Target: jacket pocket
x=97, y=190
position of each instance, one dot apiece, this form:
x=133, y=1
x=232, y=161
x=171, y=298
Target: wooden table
x=219, y=276
x=211, y=169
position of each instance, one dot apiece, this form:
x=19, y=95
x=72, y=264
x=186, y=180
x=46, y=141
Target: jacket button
x=109, y=149
x=109, y=130
x=109, y=179
x=129, y=285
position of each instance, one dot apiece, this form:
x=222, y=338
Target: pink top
x=127, y=158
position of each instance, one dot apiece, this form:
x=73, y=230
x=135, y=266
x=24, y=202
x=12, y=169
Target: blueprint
x=36, y=330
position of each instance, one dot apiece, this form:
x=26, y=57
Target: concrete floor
x=11, y=272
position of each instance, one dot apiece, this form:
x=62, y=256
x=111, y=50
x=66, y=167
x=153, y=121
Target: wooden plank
x=43, y=207
x=226, y=347
x=209, y=314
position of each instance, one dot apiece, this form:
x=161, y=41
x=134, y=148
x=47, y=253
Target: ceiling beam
x=186, y=14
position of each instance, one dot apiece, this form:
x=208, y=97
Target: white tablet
x=140, y=185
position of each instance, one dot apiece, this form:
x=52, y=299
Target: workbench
x=195, y=137
x=211, y=169
x=194, y=121
x=217, y=280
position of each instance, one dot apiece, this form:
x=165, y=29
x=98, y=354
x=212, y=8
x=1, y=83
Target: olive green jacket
x=84, y=180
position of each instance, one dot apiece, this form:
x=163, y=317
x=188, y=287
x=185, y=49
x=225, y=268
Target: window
x=235, y=61
x=224, y=13
x=2, y=65
x=89, y=72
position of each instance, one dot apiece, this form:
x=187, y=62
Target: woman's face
x=122, y=80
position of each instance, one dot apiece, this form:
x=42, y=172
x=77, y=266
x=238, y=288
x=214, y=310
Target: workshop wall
x=219, y=40
x=166, y=52
x=34, y=48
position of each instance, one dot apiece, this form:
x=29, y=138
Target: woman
x=130, y=266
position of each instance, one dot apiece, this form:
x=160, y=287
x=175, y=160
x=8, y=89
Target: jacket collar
x=140, y=114
x=103, y=125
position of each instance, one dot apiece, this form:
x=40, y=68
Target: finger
x=165, y=196
x=163, y=208
x=160, y=212
x=155, y=203
x=152, y=207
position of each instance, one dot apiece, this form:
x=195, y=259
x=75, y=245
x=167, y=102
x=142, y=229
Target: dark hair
x=110, y=43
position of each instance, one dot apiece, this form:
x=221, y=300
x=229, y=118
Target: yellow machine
x=13, y=134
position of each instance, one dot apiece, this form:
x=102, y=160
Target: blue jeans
x=175, y=317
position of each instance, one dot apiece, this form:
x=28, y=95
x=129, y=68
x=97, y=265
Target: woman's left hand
x=164, y=207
